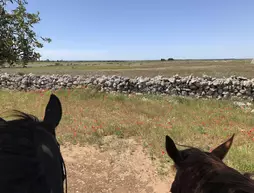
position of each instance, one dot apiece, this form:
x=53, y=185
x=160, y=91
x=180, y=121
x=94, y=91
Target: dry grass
x=217, y=68
x=88, y=116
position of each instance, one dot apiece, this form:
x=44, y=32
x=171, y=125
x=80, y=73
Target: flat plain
x=215, y=68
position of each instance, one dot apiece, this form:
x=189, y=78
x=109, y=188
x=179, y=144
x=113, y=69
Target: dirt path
x=118, y=166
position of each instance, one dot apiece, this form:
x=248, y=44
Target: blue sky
x=145, y=29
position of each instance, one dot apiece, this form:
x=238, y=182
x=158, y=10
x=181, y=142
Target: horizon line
x=166, y=59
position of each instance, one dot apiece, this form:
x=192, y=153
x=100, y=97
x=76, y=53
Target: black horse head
x=30, y=156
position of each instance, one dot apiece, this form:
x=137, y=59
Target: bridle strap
x=65, y=173
x=64, y=168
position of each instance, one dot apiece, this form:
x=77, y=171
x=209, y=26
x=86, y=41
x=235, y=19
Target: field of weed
x=88, y=116
x=216, y=68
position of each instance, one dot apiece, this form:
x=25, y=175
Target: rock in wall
x=205, y=87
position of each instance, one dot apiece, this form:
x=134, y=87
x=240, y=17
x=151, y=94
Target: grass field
x=106, y=137
x=216, y=68
x=88, y=116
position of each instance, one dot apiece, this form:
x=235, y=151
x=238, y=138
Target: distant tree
x=170, y=59
x=162, y=59
x=18, y=41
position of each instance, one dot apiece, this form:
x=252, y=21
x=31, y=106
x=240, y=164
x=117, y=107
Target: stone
x=205, y=87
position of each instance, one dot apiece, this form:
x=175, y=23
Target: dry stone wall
x=205, y=87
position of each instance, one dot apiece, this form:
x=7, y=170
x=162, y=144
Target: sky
x=145, y=29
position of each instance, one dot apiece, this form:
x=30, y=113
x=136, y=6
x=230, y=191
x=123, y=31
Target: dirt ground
x=117, y=166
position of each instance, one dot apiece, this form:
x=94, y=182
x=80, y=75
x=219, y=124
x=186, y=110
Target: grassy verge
x=88, y=116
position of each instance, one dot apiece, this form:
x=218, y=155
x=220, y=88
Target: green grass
x=217, y=68
x=88, y=116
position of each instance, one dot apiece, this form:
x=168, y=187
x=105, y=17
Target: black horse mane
x=19, y=118
x=22, y=121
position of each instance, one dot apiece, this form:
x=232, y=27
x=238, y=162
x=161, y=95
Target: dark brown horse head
x=204, y=172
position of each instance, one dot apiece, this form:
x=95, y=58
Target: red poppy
x=139, y=123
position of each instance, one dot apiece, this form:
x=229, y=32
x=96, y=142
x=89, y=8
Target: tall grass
x=89, y=115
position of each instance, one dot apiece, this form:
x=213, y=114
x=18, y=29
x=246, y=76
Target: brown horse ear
x=222, y=150
x=172, y=151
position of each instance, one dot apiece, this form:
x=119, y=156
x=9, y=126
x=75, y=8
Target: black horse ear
x=2, y=121
x=222, y=150
x=53, y=112
x=172, y=151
